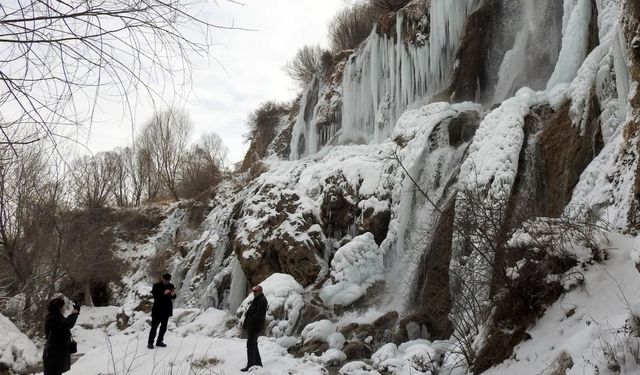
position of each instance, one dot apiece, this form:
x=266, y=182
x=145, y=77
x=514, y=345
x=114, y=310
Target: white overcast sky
x=222, y=97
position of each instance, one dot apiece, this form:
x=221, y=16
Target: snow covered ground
x=587, y=328
x=198, y=343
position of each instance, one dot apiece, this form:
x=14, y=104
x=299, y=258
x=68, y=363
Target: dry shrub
x=158, y=263
x=263, y=123
x=136, y=226
x=389, y=5
x=263, y=126
x=352, y=25
x=89, y=243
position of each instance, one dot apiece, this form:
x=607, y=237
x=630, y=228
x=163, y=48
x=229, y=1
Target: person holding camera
x=56, y=356
x=163, y=293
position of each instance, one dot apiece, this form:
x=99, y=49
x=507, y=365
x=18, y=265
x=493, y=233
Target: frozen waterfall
x=385, y=76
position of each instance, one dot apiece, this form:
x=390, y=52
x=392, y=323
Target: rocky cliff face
x=449, y=111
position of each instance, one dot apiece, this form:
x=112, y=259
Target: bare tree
x=134, y=173
x=146, y=170
x=390, y=5
x=90, y=259
x=31, y=198
x=57, y=54
x=165, y=137
x=307, y=64
x=122, y=178
x=94, y=180
x=202, y=168
x=216, y=152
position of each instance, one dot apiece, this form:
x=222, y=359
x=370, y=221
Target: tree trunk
x=88, y=301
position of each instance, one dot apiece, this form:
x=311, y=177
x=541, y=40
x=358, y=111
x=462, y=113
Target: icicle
x=238, y=286
x=386, y=76
x=575, y=40
x=623, y=79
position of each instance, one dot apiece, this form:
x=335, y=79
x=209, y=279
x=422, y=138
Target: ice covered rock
x=17, y=351
x=355, y=267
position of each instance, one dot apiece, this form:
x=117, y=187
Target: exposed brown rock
x=383, y=330
x=206, y=258
x=631, y=149
x=311, y=347
x=432, y=295
x=339, y=208
x=357, y=350
x=473, y=52
x=376, y=222
x=122, y=320
x=269, y=247
x=5, y=370
x=463, y=127
x=145, y=306
x=565, y=152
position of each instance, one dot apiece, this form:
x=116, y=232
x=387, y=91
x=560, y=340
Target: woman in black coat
x=57, y=329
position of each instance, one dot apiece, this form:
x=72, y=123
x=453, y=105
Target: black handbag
x=73, y=346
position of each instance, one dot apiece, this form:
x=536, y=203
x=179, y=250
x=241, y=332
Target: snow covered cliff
x=450, y=110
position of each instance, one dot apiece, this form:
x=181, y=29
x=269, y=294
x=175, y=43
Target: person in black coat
x=56, y=356
x=254, y=323
x=163, y=295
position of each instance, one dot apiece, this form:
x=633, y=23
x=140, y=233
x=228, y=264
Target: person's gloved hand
x=76, y=307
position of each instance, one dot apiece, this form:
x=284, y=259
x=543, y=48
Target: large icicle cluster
x=384, y=77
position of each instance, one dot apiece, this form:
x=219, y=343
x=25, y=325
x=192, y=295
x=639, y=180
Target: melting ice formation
x=388, y=75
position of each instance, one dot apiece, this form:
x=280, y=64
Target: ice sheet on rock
x=355, y=267
x=494, y=152
x=320, y=330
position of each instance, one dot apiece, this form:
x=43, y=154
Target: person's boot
x=161, y=344
x=150, y=346
x=245, y=369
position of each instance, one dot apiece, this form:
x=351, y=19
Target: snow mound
x=209, y=323
x=355, y=267
x=336, y=340
x=332, y=357
x=16, y=350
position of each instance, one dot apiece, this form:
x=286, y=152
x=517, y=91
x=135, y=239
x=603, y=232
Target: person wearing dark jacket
x=163, y=295
x=56, y=356
x=254, y=323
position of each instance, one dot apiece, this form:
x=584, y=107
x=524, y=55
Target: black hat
x=167, y=276
x=55, y=304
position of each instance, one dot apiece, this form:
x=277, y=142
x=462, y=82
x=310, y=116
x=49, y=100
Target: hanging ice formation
x=575, y=41
x=383, y=78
